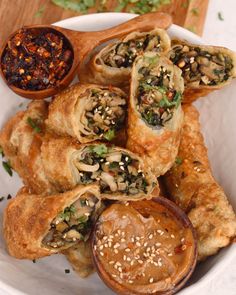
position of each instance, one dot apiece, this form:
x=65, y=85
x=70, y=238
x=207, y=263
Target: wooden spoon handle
x=84, y=42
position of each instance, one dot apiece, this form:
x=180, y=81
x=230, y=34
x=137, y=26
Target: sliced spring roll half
x=88, y=112
x=36, y=226
x=20, y=139
x=204, y=68
x=155, y=115
x=191, y=185
x=120, y=173
x=112, y=65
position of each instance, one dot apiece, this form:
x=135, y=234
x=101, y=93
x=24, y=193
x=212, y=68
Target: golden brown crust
x=157, y=147
x=21, y=145
x=191, y=185
x=96, y=71
x=80, y=257
x=27, y=220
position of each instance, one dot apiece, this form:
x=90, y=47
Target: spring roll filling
x=115, y=170
x=156, y=96
x=123, y=54
x=200, y=67
x=105, y=112
x=73, y=224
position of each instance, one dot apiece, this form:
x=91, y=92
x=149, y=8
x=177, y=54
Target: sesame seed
x=138, y=244
x=155, y=263
x=116, y=251
x=172, y=236
x=95, y=247
x=130, y=281
x=111, y=262
x=132, y=240
x=118, y=263
x=101, y=247
x=170, y=254
x=121, y=164
x=158, y=244
x=114, y=276
x=123, y=216
x=81, y=174
x=128, y=259
x=122, y=240
x=127, y=204
x=148, y=249
x=139, y=171
x=109, y=244
x=119, y=269
x=101, y=253
x=86, y=214
x=153, y=255
x=150, y=236
x=117, y=245
x=124, y=257
x=151, y=280
x=132, y=262
x=182, y=240
x=127, y=250
x=176, y=185
x=126, y=159
x=140, y=261
x=107, y=163
x=122, y=168
x=106, y=245
x=123, y=233
x=145, y=244
x=119, y=231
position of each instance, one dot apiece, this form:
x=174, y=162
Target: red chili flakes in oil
x=36, y=59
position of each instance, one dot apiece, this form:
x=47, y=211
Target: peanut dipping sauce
x=143, y=248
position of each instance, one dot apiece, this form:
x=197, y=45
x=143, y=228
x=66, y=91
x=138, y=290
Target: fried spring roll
x=80, y=257
x=192, y=187
x=88, y=112
x=155, y=115
x=112, y=65
x=204, y=68
x=120, y=173
x=36, y=226
x=21, y=139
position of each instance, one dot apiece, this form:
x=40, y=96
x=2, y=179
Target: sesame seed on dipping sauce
x=150, y=247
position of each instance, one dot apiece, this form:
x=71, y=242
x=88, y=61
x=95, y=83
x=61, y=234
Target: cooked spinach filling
x=73, y=224
x=105, y=112
x=200, y=67
x=156, y=96
x=124, y=53
x=115, y=170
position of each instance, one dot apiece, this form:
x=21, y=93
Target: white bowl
x=47, y=275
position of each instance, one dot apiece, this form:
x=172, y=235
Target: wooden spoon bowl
x=84, y=42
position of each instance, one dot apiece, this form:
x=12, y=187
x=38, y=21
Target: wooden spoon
x=83, y=42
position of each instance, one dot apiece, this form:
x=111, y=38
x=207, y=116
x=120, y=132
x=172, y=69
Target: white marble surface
x=222, y=33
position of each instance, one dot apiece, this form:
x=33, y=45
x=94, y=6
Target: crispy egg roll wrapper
x=107, y=71
x=65, y=167
x=192, y=187
x=28, y=217
x=21, y=145
x=80, y=258
x=204, y=68
x=88, y=112
x=157, y=145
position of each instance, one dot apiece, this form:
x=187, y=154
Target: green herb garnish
x=109, y=135
x=195, y=11
x=83, y=203
x=7, y=167
x=33, y=125
x=1, y=151
x=67, y=213
x=100, y=150
x=152, y=60
x=178, y=161
x=40, y=11
x=220, y=16
x=113, y=165
x=82, y=219
x=81, y=6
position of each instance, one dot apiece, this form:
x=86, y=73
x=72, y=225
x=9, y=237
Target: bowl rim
x=190, y=37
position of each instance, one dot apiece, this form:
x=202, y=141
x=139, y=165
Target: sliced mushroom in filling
x=73, y=224
x=123, y=54
x=115, y=170
x=156, y=96
x=105, y=112
x=200, y=67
